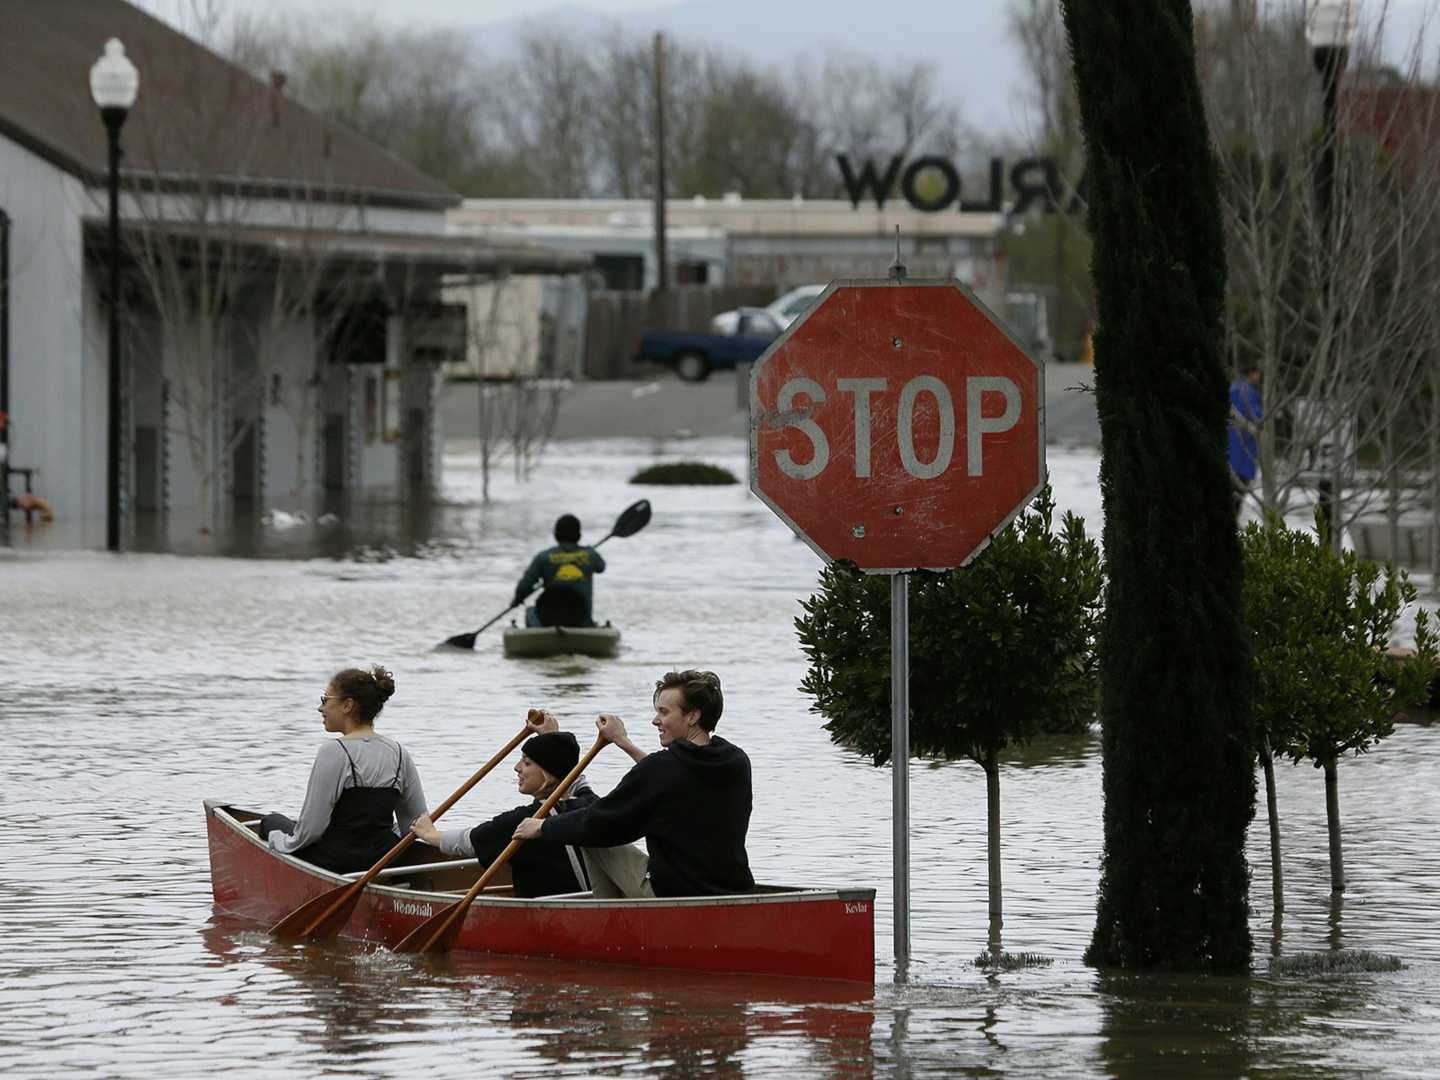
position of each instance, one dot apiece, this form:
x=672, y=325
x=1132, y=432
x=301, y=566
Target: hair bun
x=384, y=682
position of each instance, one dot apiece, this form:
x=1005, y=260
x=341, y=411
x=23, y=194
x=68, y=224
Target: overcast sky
x=966, y=40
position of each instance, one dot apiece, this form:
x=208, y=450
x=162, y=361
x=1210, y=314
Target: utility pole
x=661, y=270
x=1327, y=31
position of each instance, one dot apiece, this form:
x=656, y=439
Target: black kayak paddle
x=631, y=520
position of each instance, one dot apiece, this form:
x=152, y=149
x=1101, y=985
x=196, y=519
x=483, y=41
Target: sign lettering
x=1035, y=181
x=821, y=445
x=977, y=424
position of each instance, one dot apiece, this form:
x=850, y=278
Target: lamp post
x=1328, y=27
x=114, y=82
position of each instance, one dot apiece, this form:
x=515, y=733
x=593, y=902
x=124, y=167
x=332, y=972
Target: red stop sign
x=897, y=425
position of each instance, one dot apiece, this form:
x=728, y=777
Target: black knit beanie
x=554, y=751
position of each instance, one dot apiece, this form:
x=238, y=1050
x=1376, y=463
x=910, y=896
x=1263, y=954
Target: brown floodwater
x=136, y=686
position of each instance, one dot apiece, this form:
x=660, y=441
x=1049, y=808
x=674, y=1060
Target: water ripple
x=136, y=687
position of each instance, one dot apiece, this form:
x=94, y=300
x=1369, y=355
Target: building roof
x=197, y=114
x=743, y=217
x=436, y=251
x=1402, y=116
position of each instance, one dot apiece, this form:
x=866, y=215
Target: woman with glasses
x=362, y=785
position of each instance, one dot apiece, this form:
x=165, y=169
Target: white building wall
x=379, y=456
x=58, y=388
x=502, y=327
x=374, y=391
x=190, y=423
x=59, y=362
x=291, y=416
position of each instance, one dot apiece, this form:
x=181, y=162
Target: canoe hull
x=533, y=641
x=819, y=934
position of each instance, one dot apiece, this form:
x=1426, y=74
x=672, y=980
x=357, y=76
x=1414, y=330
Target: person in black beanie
x=538, y=869
x=565, y=572
x=690, y=800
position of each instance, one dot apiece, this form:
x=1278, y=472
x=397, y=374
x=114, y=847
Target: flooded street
x=136, y=686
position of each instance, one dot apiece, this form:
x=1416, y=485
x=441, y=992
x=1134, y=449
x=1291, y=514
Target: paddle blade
x=321, y=918
x=437, y=933
x=634, y=518
x=459, y=641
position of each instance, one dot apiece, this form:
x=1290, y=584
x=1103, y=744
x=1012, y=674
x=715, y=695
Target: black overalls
x=362, y=824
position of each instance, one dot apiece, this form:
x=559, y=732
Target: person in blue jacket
x=565, y=572
x=690, y=800
x=1243, y=431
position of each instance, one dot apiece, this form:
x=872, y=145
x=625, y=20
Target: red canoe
x=807, y=933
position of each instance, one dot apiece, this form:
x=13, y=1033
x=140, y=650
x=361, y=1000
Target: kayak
x=561, y=640
x=774, y=930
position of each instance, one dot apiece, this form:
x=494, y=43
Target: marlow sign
x=1035, y=181
x=897, y=425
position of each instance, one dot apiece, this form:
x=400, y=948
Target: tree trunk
x=1179, y=775
x=1332, y=819
x=1277, y=875
x=992, y=836
x=483, y=390
x=1434, y=462
x=1392, y=508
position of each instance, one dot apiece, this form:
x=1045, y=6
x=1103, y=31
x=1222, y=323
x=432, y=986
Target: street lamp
x=114, y=82
x=1328, y=28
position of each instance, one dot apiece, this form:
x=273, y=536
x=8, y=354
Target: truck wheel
x=692, y=367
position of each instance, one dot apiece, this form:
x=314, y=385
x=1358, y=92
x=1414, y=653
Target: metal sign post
x=900, y=758
x=899, y=426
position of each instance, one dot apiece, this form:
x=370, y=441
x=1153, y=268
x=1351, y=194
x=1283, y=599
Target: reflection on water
x=137, y=686
x=520, y=1017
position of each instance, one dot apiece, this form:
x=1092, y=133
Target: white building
x=777, y=243
x=281, y=316
x=780, y=242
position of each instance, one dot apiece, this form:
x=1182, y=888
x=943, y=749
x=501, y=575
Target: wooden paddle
x=631, y=520
x=325, y=916
x=436, y=933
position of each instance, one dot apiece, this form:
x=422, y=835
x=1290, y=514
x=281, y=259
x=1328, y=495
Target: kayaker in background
x=690, y=800
x=565, y=572
x=362, y=785
x=541, y=868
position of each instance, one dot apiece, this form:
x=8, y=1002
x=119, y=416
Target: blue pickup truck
x=694, y=355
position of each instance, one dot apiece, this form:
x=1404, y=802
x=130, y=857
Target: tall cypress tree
x=1175, y=665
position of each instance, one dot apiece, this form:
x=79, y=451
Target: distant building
x=282, y=317
x=776, y=243
x=780, y=242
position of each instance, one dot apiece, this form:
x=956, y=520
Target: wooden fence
x=614, y=320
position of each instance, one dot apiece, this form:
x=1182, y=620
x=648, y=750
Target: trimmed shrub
x=684, y=472
x=1340, y=962
x=1000, y=651
x=1005, y=961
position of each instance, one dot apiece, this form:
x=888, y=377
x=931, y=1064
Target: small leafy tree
x=1000, y=651
x=1320, y=622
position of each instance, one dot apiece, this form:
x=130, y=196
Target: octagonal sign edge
x=897, y=424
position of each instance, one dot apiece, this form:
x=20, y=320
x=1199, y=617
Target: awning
x=436, y=252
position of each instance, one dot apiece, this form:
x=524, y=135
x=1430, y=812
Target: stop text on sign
x=798, y=398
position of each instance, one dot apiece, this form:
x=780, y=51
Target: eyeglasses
x=330, y=697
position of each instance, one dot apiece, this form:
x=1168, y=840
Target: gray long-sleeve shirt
x=376, y=760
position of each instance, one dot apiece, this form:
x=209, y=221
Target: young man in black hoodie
x=690, y=800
